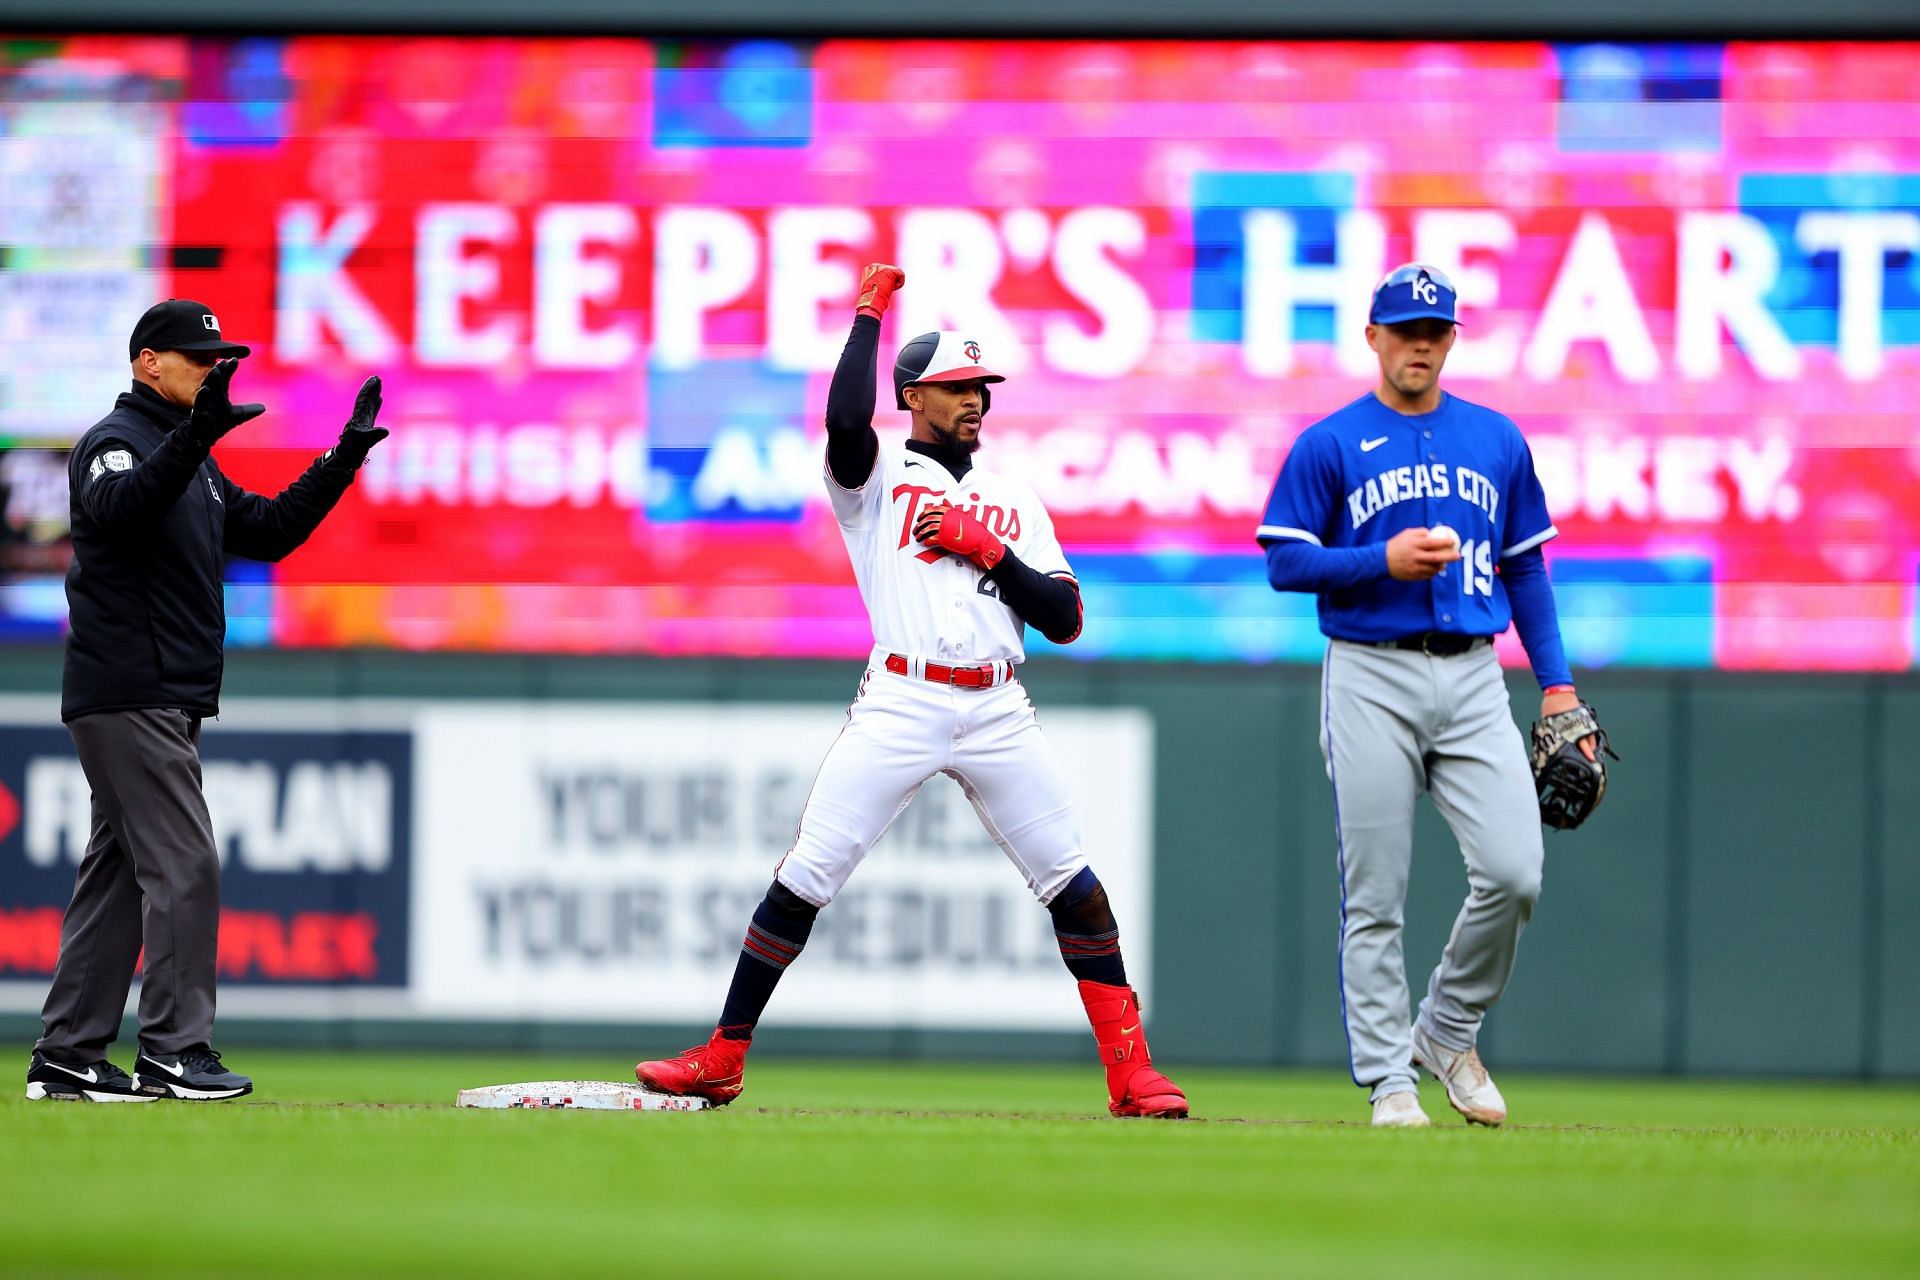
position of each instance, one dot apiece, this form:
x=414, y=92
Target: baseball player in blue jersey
x=1417, y=519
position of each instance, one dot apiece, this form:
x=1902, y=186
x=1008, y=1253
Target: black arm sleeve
x=270, y=528
x=852, y=445
x=145, y=491
x=1049, y=605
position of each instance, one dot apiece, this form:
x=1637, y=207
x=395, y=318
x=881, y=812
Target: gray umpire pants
x=1394, y=724
x=151, y=876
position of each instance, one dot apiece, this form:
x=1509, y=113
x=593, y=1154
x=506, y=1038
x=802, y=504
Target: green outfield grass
x=358, y=1165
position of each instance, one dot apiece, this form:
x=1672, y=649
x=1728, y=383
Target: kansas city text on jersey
x=1428, y=480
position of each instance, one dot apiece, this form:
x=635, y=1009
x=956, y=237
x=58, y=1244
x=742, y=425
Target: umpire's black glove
x=213, y=413
x=360, y=434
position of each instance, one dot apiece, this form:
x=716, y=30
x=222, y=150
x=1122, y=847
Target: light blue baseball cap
x=1413, y=291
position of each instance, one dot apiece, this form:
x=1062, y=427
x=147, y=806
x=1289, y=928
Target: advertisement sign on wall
x=602, y=863
x=511, y=861
x=314, y=831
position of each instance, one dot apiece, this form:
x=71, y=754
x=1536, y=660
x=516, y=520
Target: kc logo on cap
x=1413, y=291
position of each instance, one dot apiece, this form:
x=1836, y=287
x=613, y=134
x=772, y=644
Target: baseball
x=1445, y=531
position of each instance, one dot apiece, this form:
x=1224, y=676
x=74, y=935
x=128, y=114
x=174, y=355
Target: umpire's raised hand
x=360, y=434
x=214, y=414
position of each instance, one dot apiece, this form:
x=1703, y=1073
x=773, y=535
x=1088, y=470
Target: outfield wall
x=1738, y=906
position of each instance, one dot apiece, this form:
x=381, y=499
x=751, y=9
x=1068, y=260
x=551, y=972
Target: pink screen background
x=605, y=283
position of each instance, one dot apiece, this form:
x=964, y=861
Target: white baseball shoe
x=1470, y=1090
x=1399, y=1111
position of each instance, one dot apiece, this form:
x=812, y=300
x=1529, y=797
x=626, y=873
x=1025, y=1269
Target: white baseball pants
x=901, y=731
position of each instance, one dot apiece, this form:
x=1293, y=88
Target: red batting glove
x=952, y=529
x=877, y=283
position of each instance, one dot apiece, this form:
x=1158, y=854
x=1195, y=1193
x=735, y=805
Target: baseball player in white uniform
x=954, y=562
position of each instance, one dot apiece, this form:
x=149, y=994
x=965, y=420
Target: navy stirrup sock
x=1088, y=935
x=774, y=938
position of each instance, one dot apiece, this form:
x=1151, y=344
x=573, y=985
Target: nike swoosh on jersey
x=89, y=1075
x=1368, y=446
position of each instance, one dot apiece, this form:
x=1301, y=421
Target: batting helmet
x=945, y=356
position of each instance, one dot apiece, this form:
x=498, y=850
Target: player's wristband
x=1556, y=688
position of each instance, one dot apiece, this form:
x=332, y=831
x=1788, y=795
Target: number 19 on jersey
x=1476, y=567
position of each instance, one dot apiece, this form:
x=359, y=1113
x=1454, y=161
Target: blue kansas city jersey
x=1361, y=475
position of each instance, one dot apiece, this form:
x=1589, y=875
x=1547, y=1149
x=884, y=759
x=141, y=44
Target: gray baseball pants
x=1395, y=723
x=151, y=876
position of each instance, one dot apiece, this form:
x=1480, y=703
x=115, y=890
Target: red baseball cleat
x=1134, y=1088
x=712, y=1070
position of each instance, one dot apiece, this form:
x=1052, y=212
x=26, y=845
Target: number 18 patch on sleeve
x=109, y=460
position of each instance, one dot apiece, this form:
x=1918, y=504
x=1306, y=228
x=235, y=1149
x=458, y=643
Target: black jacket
x=153, y=522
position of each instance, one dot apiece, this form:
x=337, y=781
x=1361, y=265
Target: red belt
x=982, y=675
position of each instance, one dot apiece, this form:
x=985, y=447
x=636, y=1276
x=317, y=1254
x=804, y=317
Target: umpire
x=153, y=520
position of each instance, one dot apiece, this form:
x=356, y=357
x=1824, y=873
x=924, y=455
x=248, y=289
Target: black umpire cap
x=181, y=324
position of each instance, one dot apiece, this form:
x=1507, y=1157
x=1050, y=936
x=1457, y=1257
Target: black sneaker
x=95, y=1082
x=194, y=1073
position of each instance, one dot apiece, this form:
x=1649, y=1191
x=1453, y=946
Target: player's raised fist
x=877, y=283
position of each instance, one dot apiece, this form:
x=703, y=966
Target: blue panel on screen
x=1221, y=201
x=1842, y=190
x=1301, y=190
x=1179, y=565
x=1640, y=72
x=249, y=590
x=1216, y=607
x=33, y=609
x=1913, y=621
x=758, y=93
x=726, y=441
x=1638, y=126
x=1806, y=297
x=238, y=94
x=1626, y=97
x=1636, y=612
x=1182, y=605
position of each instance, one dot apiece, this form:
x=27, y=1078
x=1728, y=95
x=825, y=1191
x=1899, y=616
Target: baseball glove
x=1569, y=785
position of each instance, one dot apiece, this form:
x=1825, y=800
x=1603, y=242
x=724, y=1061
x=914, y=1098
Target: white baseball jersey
x=901, y=730
x=929, y=603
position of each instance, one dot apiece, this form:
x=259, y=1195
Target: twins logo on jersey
x=1427, y=480
x=921, y=599
x=1004, y=521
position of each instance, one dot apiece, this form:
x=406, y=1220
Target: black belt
x=1435, y=644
